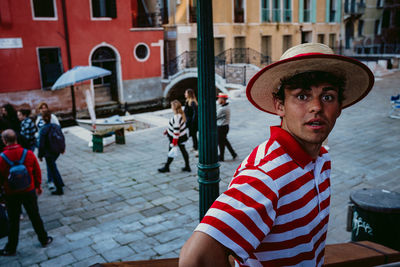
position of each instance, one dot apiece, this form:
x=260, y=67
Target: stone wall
x=142, y=90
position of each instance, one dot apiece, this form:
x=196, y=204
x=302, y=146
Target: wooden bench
x=354, y=254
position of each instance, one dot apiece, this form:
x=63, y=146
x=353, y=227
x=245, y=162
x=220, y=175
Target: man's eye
x=327, y=98
x=302, y=97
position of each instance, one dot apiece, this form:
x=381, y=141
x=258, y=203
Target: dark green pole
x=208, y=167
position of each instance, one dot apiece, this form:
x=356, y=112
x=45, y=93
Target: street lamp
x=208, y=167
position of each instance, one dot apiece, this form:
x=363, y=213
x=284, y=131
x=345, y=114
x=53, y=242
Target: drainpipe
x=66, y=37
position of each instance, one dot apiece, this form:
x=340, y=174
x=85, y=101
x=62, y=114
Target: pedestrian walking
x=276, y=209
x=191, y=113
x=28, y=130
x=223, y=120
x=177, y=134
x=51, y=145
x=22, y=187
x=43, y=107
x=10, y=118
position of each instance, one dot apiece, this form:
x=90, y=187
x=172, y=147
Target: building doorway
x=105, y=88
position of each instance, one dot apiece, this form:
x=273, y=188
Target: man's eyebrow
x=330, y=88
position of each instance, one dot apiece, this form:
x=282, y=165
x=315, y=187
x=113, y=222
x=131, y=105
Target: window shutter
x=112, y=8
x=95, y=8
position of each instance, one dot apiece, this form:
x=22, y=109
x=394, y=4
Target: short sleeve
x=243, y=215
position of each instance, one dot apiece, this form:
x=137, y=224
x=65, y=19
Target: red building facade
x=41, y=39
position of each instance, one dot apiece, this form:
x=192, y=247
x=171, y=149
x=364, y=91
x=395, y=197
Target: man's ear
x=279, y=107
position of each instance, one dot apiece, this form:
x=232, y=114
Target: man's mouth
x=315, y=124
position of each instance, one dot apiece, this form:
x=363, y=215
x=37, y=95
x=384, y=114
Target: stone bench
x=97, y=138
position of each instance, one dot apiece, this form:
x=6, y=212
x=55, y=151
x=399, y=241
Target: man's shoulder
x=262, y=156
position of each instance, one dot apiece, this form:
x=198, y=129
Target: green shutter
x=301, y=11
x=338, y=11
x=327, y=10
x=313, y=11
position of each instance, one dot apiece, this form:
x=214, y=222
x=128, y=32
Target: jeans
x=14, y=203
x=53, y=175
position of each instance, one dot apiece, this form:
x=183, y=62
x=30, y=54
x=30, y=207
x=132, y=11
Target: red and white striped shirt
x=276, y=209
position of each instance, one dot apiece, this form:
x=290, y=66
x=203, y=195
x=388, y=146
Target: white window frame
x=39, y=65
x=233, y=12
x=148, y=52
x=282, y=12
x=97, y=18
x=45, y=18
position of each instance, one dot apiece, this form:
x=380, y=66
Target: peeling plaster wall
x=142, y=90
x=58, y=101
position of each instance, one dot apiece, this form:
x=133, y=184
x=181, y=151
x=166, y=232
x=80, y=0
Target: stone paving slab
x=118, y=207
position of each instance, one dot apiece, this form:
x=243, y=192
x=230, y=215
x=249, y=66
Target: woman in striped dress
x=177, y=134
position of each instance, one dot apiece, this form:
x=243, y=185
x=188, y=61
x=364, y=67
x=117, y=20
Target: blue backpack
x=56, y=139
x=18, y=178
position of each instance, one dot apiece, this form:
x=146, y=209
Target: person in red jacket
x=15, y=199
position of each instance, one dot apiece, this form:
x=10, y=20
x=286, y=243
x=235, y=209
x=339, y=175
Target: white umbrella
x=79, y=74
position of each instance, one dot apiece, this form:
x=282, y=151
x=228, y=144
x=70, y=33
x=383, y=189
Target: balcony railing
x=287, y=15
x=353, y=8
x=265, y=15
x=276, y=15
x=332, y=16
x=307, y=15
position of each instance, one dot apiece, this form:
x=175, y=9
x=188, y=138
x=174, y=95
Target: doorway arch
x=106, y=88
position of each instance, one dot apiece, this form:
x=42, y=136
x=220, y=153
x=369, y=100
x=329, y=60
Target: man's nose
x=315, y=105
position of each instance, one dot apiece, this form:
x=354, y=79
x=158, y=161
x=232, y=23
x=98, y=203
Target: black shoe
x=164, y=169
x=186, y=169
x=234, y=156
x=5, y=252
x=58, y=192
x=48, y=242
x=220, y=159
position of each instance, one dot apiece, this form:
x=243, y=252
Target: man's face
x=309, y=114
x=20, y=116
x=43, y=109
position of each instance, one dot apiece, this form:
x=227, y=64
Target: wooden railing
x=354, y=254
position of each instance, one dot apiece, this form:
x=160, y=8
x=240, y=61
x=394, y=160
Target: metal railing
x=224, y=63
x=307, y=15
x=265, y=15
x=287, y=15
x=276, y=15
x=377, y=49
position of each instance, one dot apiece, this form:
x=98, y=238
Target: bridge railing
x=227, y=63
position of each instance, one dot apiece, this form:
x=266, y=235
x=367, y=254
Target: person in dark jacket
x=45, y=151
x=10, y=118
x=28, y=130
x=27, y=197
x=191, y=107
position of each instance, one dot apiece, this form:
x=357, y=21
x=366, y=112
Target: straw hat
x=309, y=57
x=222, y=95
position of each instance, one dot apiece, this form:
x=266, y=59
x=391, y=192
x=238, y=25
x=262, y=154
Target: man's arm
x=203, y=250
x=36, y=173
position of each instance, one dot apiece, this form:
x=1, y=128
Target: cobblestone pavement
x=118, y=207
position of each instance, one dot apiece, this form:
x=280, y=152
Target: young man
x=223, y=120
x=16, y=198
x=276, y=209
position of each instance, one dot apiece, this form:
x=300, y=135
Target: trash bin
x=376, y=217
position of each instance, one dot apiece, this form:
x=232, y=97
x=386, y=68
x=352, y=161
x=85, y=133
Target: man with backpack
x=20, y=177
x=51, y=145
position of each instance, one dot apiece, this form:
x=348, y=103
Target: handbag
x=173, y=152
